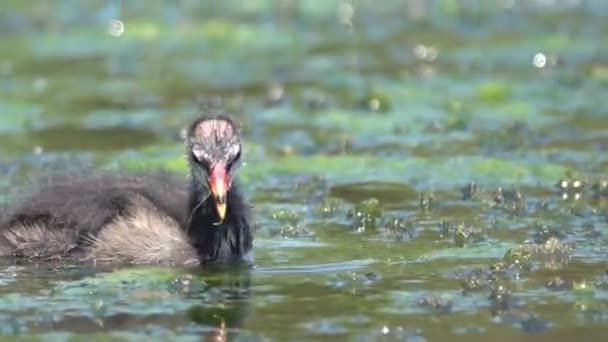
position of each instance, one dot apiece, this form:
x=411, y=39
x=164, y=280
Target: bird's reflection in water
x=217, y=312
x=227, y=317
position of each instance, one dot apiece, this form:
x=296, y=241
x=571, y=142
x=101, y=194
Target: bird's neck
x=215, y=240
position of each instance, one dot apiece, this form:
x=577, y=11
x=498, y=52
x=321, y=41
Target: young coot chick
x=151, y=218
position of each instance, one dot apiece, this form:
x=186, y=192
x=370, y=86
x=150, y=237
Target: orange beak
x=218, y=184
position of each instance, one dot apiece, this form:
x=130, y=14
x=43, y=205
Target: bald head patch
x=214, y=127
x=214, y=140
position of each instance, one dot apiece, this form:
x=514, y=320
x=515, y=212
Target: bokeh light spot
x=116, y=27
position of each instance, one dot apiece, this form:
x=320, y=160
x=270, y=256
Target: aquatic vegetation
x=398, y=229
x=418, y=172
x=329, y=206
x=478, y=279
x=436, y=304
x=365, y=216
x=375, y=101
x=427, y=201
x=289, y=225
x=552, y=253
x=354, y=283
x=493, y=92
x=559, y=284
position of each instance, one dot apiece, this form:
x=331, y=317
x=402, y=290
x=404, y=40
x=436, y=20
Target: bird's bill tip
x=221, y=210
x=218, y=184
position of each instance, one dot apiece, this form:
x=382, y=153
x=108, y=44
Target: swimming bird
x=149, y=217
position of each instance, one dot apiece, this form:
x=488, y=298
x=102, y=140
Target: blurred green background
x=420, y=170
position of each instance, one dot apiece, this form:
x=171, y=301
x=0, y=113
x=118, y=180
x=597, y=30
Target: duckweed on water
x=354, y=283
x=600, y=189
x=501, y=299
x=493, y=92
x=469, y=191
x=552, y=254
x=543, y=232
x=478, y=279
x=436, y=304
x=465, y=235
x=289, y=225
x=445, y=158
x=559, y=284
x=461, y=234
x=398, y=229
x=375, y=101
x=312, y=188
x=426, y=201
x=509, y=200
x=329, y=206
x=571, y=188
x=365, y=216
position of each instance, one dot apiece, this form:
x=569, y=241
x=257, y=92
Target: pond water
x=420, y=170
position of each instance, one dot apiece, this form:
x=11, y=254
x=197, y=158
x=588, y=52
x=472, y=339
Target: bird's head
x=214, y=152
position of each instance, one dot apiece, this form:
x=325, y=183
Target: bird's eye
x=233, y=160
x=200, y=161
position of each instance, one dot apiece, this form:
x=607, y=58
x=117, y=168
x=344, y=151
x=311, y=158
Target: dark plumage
x=151, y=217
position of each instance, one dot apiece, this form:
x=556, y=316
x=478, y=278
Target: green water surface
x=419, y=170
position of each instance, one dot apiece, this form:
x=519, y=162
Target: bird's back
x=62, y=215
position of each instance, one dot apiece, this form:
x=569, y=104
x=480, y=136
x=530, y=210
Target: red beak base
x=218, y=184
